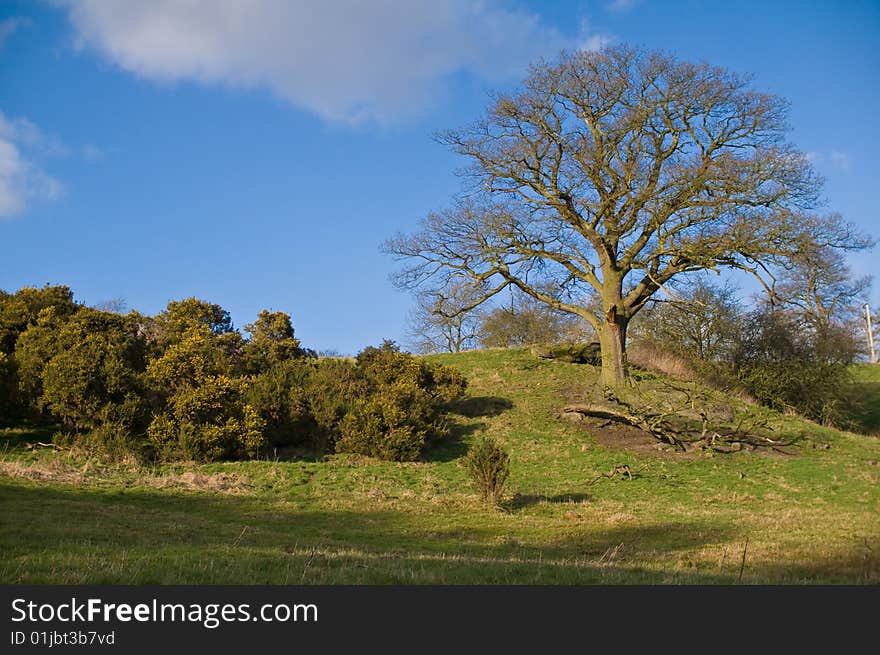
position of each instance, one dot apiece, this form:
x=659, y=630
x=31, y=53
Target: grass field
x=811, y=516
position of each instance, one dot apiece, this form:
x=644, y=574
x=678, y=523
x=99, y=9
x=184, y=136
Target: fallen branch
x=623, y=470
x=33, y=445
x=670, y=426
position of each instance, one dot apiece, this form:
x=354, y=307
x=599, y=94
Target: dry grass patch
x=49, y=471
x=227, y=483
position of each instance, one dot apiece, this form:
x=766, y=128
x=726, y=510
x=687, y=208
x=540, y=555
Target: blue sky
x=257, y=154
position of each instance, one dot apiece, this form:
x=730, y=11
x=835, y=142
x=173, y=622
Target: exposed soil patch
x=618, y=437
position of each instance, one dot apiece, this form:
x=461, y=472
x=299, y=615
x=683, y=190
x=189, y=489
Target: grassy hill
x=811, y=515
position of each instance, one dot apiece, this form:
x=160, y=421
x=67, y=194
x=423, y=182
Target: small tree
x=489, y=467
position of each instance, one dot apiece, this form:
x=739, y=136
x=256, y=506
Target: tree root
x=664, y=427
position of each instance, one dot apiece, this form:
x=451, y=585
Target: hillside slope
x=758, y=517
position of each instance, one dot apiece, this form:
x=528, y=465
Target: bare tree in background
x=436, y=323
x=114, y=306
x=524, y=321
x=701, y=321
x=608, y=175
x=820, y=286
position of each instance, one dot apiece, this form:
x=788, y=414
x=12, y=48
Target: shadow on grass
x=54, y=534
x=453, y=446
x=866, y=413
x=480, y=406
x=17, y=435
x=519, y=501
x=474, y=407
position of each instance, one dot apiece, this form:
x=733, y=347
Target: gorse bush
x=279, y=395
x=185, y=384
x=385, y=404
x=394, y=423
x=403, y=409
x=208, y=422
x=488, y=465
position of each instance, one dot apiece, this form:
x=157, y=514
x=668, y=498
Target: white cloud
x=347, y=60
x=596, y=42
x=590, y=40
x=9, y=26
x=21, y=180
x=839, y=159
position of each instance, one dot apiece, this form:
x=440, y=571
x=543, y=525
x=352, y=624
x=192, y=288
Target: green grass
x=811, y=517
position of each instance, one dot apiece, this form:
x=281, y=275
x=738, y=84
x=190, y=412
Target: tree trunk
x=612, y=339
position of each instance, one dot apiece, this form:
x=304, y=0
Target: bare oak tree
x=610, y=173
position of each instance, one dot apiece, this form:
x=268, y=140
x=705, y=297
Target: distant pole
x=870, y=333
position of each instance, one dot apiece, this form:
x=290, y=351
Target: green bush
x=788, y=368
x=208, y=422
x=402, y=408
x=279, y=395
x=333, y=389
x=272, y=342
x=186, y=384
x=488, y=465
x=119, y=432
x=394, y=423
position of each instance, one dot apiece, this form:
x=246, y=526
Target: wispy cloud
x=92, y=153
x=836, y=158
x=21, y=179
x=10, y=26
x=622, y=5
x=590, y=39
x=839, y=159
x=347, y=60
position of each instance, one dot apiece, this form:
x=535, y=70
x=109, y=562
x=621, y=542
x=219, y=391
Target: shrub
x=272, y=342
x=392, y=424
x=208, y=422
x=386, y=366
x=99, y=364
x=333, y=389
x=119, y=432
x=488, y=465
x=401, y=409
x=8, y=386
x=786, y=367
x=280, y=397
